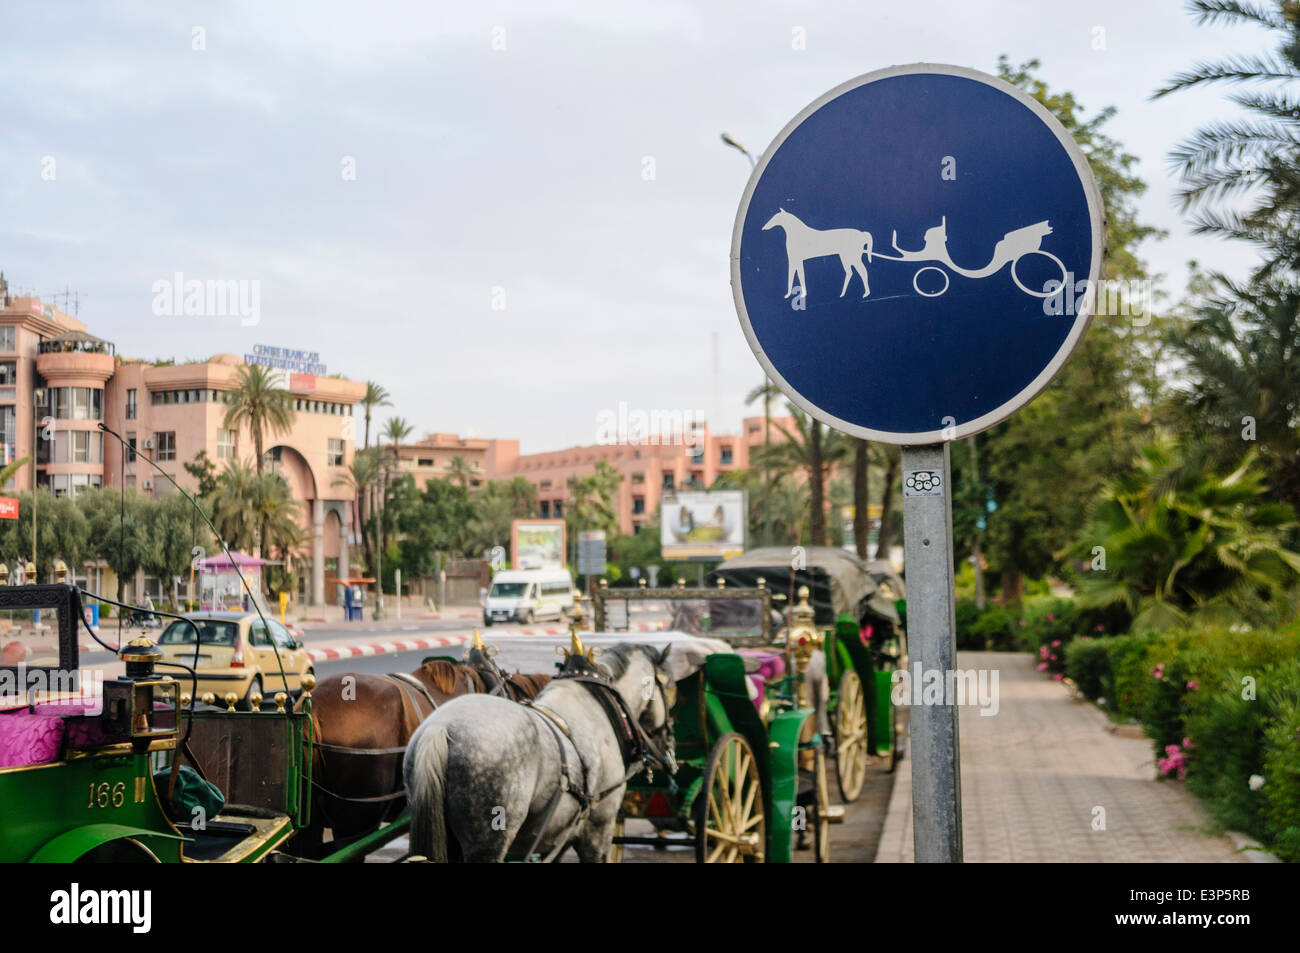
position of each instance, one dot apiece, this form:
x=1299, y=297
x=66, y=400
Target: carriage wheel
x=729, y=823
x=616, y=850
x=851, y=737
x=896, y=739
x=821, y=810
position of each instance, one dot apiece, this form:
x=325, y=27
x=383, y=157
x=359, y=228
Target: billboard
x=708, y=525
x=537, y=544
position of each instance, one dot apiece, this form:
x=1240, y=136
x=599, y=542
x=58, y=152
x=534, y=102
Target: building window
x=75, y=403
x=7, y=339
x=638, y=505
x=130, y=404
x=130, y=448
x=335, y=455
x=638, y=476
x=726, y=456
x=424, y=462
x=558, y=509
x=227, y=441
x=84, y=446
x=668, y=480
x=544, y=485
x=8, y=439
x=8, y=372
x=546, y=509
x=697, y=456
x=164, y=445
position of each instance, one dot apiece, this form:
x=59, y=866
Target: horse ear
x=676, y=663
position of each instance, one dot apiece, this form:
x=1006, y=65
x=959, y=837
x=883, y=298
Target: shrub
x=994, y=629
x=1087, y=663
x=1281, y=771
x=967, y=614
x=1128, y=678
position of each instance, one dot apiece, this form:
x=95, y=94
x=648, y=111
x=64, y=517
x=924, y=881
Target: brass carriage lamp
x=60, y=571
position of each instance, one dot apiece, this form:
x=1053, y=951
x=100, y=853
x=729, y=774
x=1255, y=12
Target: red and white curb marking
x=383, y=648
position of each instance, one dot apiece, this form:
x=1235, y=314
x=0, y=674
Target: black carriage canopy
x=837, y=580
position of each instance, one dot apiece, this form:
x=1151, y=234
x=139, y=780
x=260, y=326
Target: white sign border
x=1096, y=214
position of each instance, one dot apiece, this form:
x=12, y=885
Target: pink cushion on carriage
x=27, y=738
x=771, y=666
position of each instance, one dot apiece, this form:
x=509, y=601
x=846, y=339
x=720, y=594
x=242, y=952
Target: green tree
x=1046, y=464
x=461, y=470
x=360, y=477
x=259, y=401
x=116, y=531
x=204, y=471
x=1176, y=539
x=1256, y=159
x=766, y=392
x=376, y=396
x=1241, y=348
x=811, y=450
x=172, y=529
x=592, y=503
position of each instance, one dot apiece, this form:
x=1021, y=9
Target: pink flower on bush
x=1057, y=677
x=1041, y=666
x=1056, y=644
x=1053, y=658
x=1101, y=628
x=1174, y=762
x=1159, y=670
x=1187, y=744
x=1042, y=651
x=1193, y=686
x=1050, y=617
x=1023, y=623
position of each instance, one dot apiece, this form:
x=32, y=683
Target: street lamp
x=731, y=141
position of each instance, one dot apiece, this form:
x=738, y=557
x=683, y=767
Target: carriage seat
x=762, y=667
x=39, y=735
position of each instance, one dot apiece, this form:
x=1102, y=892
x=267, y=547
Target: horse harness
x=409, y=686
x=638, y=749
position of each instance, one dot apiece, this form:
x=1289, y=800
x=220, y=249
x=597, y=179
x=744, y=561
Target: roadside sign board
x=8, y=508
x=591, y=552
x=912, y=258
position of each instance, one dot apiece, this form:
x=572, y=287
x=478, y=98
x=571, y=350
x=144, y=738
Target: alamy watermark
x=1108, y=297
x=213, y=298
x=34, y=685
x=636, y=427
x=921, y=687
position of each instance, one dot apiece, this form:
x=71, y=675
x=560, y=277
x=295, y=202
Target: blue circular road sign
x=913, y=256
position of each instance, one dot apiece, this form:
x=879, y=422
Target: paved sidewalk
x=1033, y=775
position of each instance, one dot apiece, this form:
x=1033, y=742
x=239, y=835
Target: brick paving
x=1033, y=774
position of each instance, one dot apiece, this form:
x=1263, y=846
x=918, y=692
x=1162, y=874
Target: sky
x=514, y=216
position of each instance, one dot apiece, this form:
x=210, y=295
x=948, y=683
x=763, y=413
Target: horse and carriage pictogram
x=804, y=243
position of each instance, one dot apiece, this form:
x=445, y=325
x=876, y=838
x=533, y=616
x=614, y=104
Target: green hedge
x=1226, y=704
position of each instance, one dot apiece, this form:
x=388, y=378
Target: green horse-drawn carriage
x=755, y=727
x=94, y=773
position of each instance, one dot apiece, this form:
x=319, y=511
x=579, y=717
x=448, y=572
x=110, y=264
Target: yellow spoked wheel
x=851, y=737
x=729, y=823
x=616, y=850
x=821, y=810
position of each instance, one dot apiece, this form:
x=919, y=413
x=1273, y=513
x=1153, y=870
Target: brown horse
x=361, y=724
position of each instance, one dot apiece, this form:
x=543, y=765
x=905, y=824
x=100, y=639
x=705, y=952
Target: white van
x=526, y=595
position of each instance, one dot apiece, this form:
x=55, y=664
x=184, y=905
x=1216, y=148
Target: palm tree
x=1177, y=538
x=256, y=511
x=790, y=509
x=12, y=468
x=1242, y=347
x=812, y=450
x=523, y=497
x=397, y=430
x=1258, y=155
x=259, y=401
x=461, y=470
x=376, y=396
x=765, y=392
x=360, y=477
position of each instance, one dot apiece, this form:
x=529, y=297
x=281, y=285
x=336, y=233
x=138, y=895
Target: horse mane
x=530, y=684
x=442, y=674
x=616, y=658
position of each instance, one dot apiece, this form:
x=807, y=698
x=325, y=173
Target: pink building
x=58, y=382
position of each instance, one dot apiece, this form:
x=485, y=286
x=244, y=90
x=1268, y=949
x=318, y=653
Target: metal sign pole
x=932, y=653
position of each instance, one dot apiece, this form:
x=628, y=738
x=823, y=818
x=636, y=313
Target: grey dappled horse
x=482, y=773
